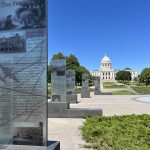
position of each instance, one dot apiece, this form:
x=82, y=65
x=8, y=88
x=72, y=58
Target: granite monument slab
x=97, y=90
x=58, y=80
x=71, y=94
x=58, y=105
x=85, y=92
x=23, y=72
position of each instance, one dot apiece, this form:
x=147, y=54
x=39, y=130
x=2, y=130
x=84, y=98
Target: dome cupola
x=106, y=63
x=106, y=59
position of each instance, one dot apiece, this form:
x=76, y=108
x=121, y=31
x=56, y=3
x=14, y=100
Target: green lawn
x=78, y=90
x=110, y=85
x=142, y=90
x=127, y=82
x=122, y=92
x=131, y=132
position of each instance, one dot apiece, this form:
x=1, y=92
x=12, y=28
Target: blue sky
x=89, y=28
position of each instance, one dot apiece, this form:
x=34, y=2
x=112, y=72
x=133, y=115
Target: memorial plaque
x=58, y=80
x=85, y=92
x=23, y=72
x=71, y=96
x=85, y=80
x=97, y=90
x=70, y=75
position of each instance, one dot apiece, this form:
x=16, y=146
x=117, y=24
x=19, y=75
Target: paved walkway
x=67, y=131
x=130, y=89
x=114, y=104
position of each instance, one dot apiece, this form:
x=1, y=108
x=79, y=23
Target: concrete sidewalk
x=114, y=104
x=67, y=131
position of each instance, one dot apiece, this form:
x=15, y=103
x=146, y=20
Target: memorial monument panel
x=85, y=80
x=58, y=80
x=85, y=92
x=97, y=83
x=97, y=90
x=71, y=96
x=70, y=75
x=23, y=72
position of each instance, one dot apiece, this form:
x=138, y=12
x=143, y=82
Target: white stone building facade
x=106, y=72
x=134, y=73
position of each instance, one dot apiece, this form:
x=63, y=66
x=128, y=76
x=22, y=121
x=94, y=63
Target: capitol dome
x=107, y=73
x=106, y=59
x=106, y=63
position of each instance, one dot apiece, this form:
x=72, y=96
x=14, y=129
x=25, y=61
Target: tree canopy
x=58, y=56
x=123, y=76
x=71, y=63
x=145, y=76
x=79, y=71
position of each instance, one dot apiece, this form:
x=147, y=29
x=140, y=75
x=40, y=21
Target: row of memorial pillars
x=62, y=82
x=63, y=92
x=85, y=92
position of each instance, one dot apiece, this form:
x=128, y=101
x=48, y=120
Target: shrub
x=130, y=132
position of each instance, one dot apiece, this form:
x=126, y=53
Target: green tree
x=79, y=71
x=145, y=76
x=91, y=80
x=72, y=63
x=58, y=56
x=123, y=76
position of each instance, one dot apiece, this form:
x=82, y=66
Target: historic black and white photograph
x=28, y=135
x=56, y=98
x=13, y=42
x=27, y=14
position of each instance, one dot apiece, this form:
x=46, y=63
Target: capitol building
x=106, y=72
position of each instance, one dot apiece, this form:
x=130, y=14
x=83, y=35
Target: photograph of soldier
x=26, y=15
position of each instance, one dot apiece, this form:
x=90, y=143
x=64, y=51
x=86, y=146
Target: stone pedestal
x=71, y=98
x=58, y=109
x=62, y=110
x=52, y=145
x=97, y=92
x=85, y=93
x=82, y=112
